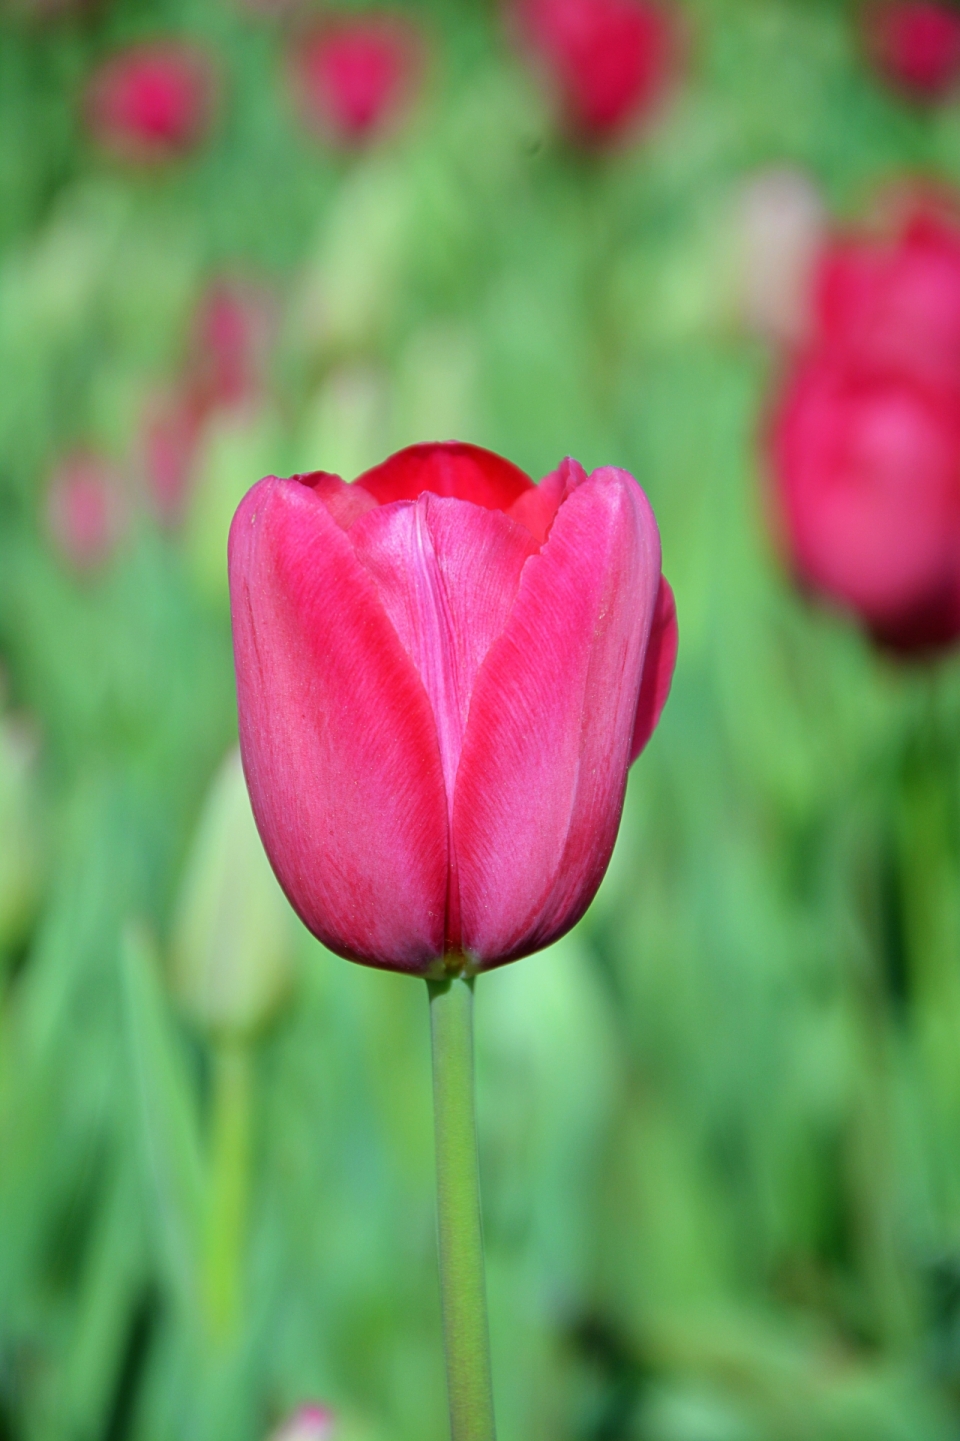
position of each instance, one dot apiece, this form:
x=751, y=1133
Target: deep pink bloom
x=354, y=76
x=443, y=673
x=151, y=101
x=915, y=44
x=230, y=343
x=608, y=62
x=895, y=300
x=866, y=438
x=86, y=513
x=869, y=465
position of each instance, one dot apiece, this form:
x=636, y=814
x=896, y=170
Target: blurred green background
x=720, y=1122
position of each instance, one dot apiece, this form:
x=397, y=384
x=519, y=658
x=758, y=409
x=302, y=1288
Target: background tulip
x=866, y=440
x=151, y=102
x=915, y=44
x=443, y=674
x=608, y=62
x=86, y=511
x=354, y=76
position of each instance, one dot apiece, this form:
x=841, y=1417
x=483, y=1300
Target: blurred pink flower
x=607, y=62
x=866, y=436
x=353, y=77
x=86, y=510
x=307, y=1423
x=915, y=44
x=226, y=364
x=151, y=102
x=780, y=229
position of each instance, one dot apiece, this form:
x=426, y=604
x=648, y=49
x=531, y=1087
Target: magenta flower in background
x=151, y=102
x=86, y=511
x=915, y=45
x=866, y=436
x=354, y=77
x=608, y=63
x=443, y=674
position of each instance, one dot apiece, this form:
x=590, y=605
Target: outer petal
x=658, y=665
x=466, y=472
x=338, y=740
x=544, y=762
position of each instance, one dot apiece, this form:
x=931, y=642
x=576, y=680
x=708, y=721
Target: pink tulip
x=308, y=1423
x=152, y=101
x=608, y=62
x=915, y=44
x=355, y=75
x=443, y=674
x=86, y=513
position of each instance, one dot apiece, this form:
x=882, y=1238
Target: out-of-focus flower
x=234, y=938
x=607, y=62
x=86, y=510
x=443, y=674
x=869, y=464
x=894, y=299
x=866, y=437
x=308, y=1423
x=915, y=45
x=780, y=228
x=225, y=369
x=151, y=102
x=354, y=77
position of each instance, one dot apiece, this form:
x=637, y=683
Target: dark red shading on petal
x=346, y=503
x=451, y=468
x=536, y=507
x=338, y=740
x=658, y=667
x=543, y=768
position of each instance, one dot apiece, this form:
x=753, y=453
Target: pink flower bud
x=866, y=437
x=308, y=1423
x=607, y=62
x=231, y=338
x=169, y=434
x=443, y=674
x=151, y=102
x=915, y=44
x=354, y=77
x=86, y=513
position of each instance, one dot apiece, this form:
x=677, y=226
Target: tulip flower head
x=866, y=437
x=151, y=102
x=607, y=62
x=443, y=674
x=86, y=511
x=915, y=45
x=354, y=77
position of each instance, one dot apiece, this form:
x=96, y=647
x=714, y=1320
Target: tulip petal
x=447, y=573
x=449, y=468
x=658, y=667
x=544, y=762
x=346, y=503
x=536, y=507
x=338, y=740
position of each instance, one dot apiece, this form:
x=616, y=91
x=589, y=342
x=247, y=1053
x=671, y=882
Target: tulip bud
x=915, y=45
x=151, y=102
x=308, y=1423
x=231, y=337
x=607, y=62
x=354, y=77
x=86, y=511
x=443, y=674
x=169, y=434
x=233, y=948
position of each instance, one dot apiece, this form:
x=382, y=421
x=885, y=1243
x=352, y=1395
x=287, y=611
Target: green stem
x=462, y=1287
x=229, y=1184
